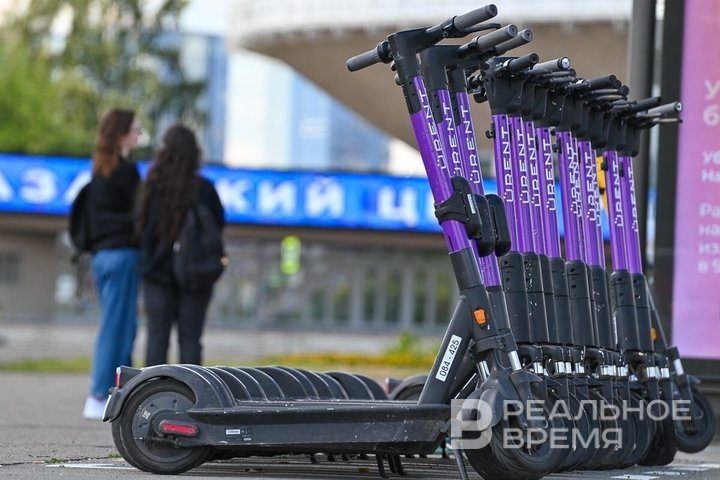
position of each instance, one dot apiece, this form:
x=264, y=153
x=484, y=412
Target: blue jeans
x=116, y=281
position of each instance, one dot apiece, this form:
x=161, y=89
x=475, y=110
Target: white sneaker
x=94, y=408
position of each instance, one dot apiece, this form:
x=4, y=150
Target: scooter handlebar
x=608, y=81
x=465, y=22
x=559, y=64
x=486, y=42
x=523, y=38
x=455, y=27
x=381, y=53
x=668, y=108
x=517, y=65
x=645, y=104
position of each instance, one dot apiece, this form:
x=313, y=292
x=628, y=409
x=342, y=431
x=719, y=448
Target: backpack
x=198, y=257
x=79, y=225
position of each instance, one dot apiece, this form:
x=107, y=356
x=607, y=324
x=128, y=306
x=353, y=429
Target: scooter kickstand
x=396, y=465
x=381, y=466
x=458, y=454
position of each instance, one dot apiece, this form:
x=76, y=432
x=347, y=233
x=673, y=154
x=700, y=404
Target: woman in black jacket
x=171, y=187
x=112, y=193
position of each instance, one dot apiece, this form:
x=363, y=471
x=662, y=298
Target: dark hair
x=114, y=125
x=171, y=183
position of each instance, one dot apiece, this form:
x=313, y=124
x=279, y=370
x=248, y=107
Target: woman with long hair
x=172, y=186
x=113, y=188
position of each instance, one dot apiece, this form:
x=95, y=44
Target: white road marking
x=102, y=466
x=690, y=468
x=635, y=477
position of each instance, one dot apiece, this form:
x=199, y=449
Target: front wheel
x=514, y=453
x=696, y=433
x=135, y=438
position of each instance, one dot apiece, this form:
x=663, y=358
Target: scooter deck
x=311, y=426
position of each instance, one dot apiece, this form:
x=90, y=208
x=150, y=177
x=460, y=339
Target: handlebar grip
x=519, y=64
x=562, y=63
x=608, y=81
x=672, y=107
x=556, y=82
x=660, y=121
x=486, y=42
x=523, y=38
x=466, y=21
x=371, y=57
x=644, y=104
x=605, y=100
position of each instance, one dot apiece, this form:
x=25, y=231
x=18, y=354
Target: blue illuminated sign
x=48, y=185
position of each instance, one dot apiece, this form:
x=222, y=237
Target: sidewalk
x=42, y=427
x=57, y=340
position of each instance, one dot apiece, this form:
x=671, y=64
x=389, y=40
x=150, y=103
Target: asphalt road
x=43, y=436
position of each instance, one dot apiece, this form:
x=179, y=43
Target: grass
x=48, y=365
x=408, y=355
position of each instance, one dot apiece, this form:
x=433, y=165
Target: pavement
x=43, y=435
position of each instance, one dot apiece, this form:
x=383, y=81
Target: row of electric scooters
x=549, y=362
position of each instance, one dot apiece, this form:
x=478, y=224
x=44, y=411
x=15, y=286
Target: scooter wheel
x=694, y=435
x=580, y=454
x=606, y=455
x=501, y=461
x=664, y=445
x=644, y=430
x=409, y=392
x=132, y=431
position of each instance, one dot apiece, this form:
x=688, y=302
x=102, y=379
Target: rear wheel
x=136, y=439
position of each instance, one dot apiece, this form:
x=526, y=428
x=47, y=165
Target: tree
x=39, y=114
x=112, y=53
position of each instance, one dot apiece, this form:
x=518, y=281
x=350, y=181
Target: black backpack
x=79, y=225
x=198, y=253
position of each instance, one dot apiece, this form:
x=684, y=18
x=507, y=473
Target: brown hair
x=114, y=125
x=171, y=182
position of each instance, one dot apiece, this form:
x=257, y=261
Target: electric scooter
x=171, y=418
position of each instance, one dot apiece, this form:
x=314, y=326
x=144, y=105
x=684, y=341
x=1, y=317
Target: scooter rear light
x=176, y=428
x=125, y=374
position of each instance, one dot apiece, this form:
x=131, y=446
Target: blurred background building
x=277, y=103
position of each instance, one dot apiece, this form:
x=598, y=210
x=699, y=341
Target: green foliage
x=48, y=365
x=39, y=114
x=53, y=88
x=409, y=344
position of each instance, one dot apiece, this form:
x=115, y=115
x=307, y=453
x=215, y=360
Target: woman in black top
x=112, y=199
x=171, y=186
